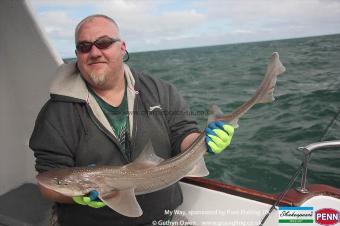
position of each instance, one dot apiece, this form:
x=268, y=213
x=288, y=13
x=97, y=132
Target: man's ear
x=123, y=48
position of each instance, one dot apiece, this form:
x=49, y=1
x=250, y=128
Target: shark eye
x=60, y=182
x=56, y=180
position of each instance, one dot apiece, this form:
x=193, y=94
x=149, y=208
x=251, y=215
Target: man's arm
x=50, y=147
x=218, y=137
x=188, y=140
x=54, y=196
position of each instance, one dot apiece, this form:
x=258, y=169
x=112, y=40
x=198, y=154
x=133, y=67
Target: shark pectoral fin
x=199, y=170
x=123, y=202
x=146, y=159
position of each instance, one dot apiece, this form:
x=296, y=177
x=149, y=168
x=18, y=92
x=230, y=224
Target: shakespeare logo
x=288, y=214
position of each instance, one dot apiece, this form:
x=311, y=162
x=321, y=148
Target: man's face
x=98, y=66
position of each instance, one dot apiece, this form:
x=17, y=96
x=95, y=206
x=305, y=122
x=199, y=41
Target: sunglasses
x=100, y=43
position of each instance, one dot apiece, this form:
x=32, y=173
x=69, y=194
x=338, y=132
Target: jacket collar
x=69, y=83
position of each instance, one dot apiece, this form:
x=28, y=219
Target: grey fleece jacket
x=71, y=130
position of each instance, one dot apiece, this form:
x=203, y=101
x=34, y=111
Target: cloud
x=276, y=15
x=141, y=21
x=151, y=24
x=63, y=3
x=58, y=24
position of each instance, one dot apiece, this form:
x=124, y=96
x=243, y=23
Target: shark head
x=65, y=181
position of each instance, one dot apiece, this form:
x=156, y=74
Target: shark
x=118, y=185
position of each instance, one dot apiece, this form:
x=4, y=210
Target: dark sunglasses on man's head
x=100, y=43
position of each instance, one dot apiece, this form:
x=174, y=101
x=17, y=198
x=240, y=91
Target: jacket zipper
x=105, y=131
x=134, y=128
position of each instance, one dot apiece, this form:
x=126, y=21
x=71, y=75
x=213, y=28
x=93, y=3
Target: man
x=98, y=114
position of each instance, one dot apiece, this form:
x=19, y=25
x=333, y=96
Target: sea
x=263, y=154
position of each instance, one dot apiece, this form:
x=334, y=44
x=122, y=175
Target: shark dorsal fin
x=146, y=159
x=215, y=112
x=123, y=202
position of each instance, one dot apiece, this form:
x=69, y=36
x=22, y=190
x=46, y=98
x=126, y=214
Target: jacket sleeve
x=49, y=143
x=179, y=119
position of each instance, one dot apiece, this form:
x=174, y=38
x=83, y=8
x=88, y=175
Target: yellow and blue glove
x=218, y=136
x=91, y=200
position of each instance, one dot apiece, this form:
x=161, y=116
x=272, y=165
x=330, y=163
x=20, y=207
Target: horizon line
x=233, y=43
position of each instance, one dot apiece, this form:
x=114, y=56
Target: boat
x=28, y=62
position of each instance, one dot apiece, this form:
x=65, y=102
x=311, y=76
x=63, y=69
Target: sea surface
x=263, y=154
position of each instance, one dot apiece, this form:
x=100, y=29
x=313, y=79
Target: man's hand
x=218, y=136
x=90, y=200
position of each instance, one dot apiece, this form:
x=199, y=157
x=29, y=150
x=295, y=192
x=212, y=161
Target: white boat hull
x=207, y=202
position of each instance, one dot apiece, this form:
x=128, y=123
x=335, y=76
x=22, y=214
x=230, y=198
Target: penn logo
x=327, y=216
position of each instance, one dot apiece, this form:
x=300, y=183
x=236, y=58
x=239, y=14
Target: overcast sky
x=166, y=24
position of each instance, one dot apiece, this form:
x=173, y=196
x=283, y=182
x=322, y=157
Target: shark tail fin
x=274, y=67
x=264, y=94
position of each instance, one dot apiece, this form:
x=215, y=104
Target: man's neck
x=114, y=93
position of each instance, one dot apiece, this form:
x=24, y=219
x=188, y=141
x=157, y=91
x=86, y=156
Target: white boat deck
x=208, y=207
x=24, y=206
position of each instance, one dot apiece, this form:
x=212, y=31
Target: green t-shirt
x=117, y=117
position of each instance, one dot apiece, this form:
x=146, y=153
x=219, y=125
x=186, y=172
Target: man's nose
x=95, y=52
